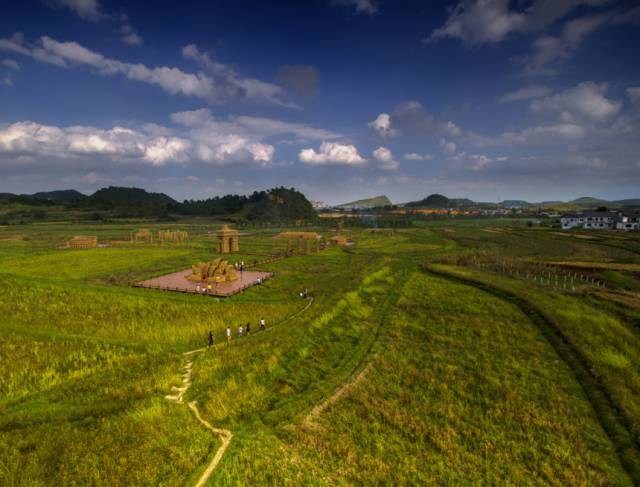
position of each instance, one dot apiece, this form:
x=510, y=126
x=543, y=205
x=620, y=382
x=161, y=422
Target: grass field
x=413, y=363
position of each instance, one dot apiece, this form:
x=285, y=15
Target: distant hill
x=461, y=202
x=367, y=203
x=6, y=196
x=588, y=202
x=515, y=204
x=119, y=197
x=277, y=204
x=627, y=202
x=63, y=195
x=431, y=201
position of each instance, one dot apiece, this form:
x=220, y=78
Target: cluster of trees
x=275, y=204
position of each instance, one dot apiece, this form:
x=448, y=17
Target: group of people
x=204, y=288
x=242, y=330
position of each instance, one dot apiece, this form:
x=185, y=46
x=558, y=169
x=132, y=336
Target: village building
x=597, y=220
x=629, y=221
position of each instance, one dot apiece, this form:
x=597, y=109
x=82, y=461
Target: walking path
x=225, y=435
x=312, y=417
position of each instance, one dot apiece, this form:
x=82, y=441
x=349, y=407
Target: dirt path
x=311, y=419
x=225, y=435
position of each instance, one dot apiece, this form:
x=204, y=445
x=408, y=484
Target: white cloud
x=85, y=9
x=477, y=22
x=30, y=138
x=382, y=125
x=526, y=93
x=244, y=88
x=549, y=50
x=451, y=129
x=361, y=6
x=414, y=156
x=128, y=34
x=196, y=137
x=586, y=101
x=91, y=177
x=447, y=147
x=634, y=95
x=332, y=153
x=385, y=158
x=11, y=64
x=220, y=85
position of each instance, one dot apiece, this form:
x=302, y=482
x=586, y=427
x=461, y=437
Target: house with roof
x=629, y=221
x=597, y=220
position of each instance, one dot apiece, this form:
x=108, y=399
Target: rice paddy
x=410, y=363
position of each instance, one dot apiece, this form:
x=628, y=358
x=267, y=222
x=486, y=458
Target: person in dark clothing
x=210, y=338
x=248, y=328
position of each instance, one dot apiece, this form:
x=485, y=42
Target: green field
x=480, y=352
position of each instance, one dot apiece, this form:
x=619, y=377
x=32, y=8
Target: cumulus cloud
x=414, y=156
x=128, y=34
x=30, y=138
x=548, y=50
x=361, y=6
x=220, y=84
x=586, y=101
x=477, y=22
x=85, y=9
x=526, y=93
x=473, y=162
x=447, y=147
x=332, y=153
x=300, y=80
x=382, y=125
x=196, y=137
x=384, y=157
x=634, y=94
x=11, y=64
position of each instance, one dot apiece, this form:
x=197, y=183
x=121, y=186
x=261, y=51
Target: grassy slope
x=452, y=393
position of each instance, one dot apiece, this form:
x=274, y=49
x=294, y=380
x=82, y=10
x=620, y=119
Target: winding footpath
x=224, y=434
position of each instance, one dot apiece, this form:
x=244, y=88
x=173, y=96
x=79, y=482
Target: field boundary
x=224, y=434
x=358, y=372
x=610, y=416
x=314, y=414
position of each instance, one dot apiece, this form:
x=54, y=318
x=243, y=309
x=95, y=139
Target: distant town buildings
x=319, y=205
x=602, y=220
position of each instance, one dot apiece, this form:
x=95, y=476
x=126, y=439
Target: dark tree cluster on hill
x=431, y=201
x=277, y=204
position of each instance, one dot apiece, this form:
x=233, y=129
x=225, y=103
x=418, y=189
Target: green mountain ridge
x=366, y=203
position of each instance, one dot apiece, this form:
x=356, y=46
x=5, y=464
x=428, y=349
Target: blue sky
x=343, y=99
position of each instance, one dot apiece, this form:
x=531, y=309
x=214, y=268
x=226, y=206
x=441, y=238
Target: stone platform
x=177, y=282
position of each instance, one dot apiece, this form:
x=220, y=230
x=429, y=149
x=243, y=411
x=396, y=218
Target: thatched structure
x=305, y=240
x=144, y=235
x=217, y=270
x=228, y=240
x=170, y=236
x=83, y=242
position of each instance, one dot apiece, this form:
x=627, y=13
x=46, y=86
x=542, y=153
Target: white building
x=629, y=221
x=319, y=205
x=598, y=220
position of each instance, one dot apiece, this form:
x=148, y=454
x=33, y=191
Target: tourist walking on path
x=228, y=334
x=248, y=328
x=263, y=324
x=198, y=287
x=210, y=339
x=240, y=331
